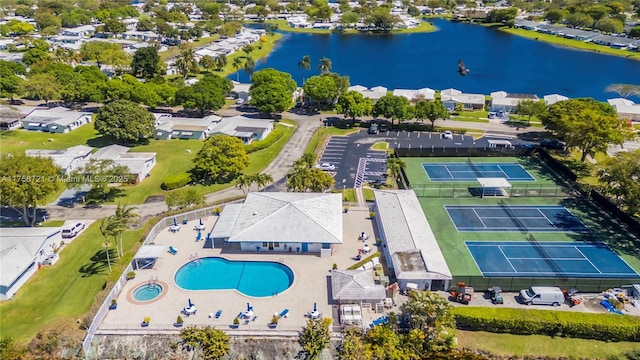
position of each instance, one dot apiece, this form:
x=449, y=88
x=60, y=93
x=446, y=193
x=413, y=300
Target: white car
x=447, y=135
x=326, y=167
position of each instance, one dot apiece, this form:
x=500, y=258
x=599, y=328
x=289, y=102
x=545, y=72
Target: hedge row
x=176, y=181
x=607, y=327
x=274, y=136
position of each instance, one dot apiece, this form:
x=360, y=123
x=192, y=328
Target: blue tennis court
x=570, y=259
x=471, y=171
x=514, y=218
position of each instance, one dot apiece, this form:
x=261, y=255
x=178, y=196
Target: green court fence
x=513, y=284
x=429, y=151
x=523, y=190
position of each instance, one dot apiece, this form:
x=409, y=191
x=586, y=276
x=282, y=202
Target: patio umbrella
x=190, y=303
x=175, y=222
x=248, y=307
x=201, y=222
x=315, y=308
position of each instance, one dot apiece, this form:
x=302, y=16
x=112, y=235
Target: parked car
x=448, y=135
x=542, y=295
x=373, y=129
x=492, y=115
x=72, y=231
x=326, y=167
x=553, y=144
x=383, y=127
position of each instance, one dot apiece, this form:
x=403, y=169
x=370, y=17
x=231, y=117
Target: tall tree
x=263, y=180
x=99, y=174
x=126, y=121
x=221, y=61
x=206, y=95
x=315, y=337
x=106, y=229
x=26, y=182
x=186, y=62
x=529, y=108
x=325, y=65
x=244, y=182
x=10, y=81
x=237, y=64
x=43, y=87
x=123, y=219
x=432, y=316
x=620, y=178
x=249, y=66
x=221, y=159
x=393, y=107
x=213, y=342
x=146, y=63
x=304, y=64
x=586, y=124
x=184, y=198
x=208, y=62
x=624, y=90
x=432, y=110
x=352, y=104
x=395, y=166
x=322, y=89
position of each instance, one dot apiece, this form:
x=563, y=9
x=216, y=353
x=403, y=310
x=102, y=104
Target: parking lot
x=356, y=164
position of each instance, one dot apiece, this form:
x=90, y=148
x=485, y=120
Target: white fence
x=104, y=308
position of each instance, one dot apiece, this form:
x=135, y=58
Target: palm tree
x=106, y=228
x=395, y=165
x=186, y=62
x=325, y=65
x=249, y=66
x=262, y=180
x=237, y=64
x=123, y=219
x=221, y=61
x=244, y=182
x=304, y=64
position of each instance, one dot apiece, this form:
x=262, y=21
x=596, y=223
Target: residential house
x=22, y=252
x=415, y=95
x=409, y=245
x=169, y=127
x=79, y=31
x=245, y=129
x=554, y=98
x=55, y=120
x=240, y=91
x=626, y=108
x=507, y=102
x=356, y=286
x=68, y=160
x=283, y=222
x=451, y=97
x=138, y=163
x=375, y=93
x=576, y=34
x=10, y=118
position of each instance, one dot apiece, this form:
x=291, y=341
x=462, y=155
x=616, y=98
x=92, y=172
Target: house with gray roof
x=283, y=222
x=356, y=286
x=55, y=120
x=626, y=108
x=244, y=128
x=451, y=97
x=68, y=160
x=415, y=95
x=410, y=247
x=22, y=251
x=375, y=93
x=503, y=101
x=554, y=98
x=138, y=163
x=169, y=127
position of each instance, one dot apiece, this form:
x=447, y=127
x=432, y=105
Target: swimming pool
x=252, y=278
x=147, y=292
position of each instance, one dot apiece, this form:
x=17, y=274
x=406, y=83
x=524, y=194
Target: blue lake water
x=497, y=60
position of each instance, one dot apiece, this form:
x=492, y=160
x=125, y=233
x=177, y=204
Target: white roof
x=358, y=88
x=18, y=246
x=135, y=161
x=58, y=115
x=427, y=93
x=170, y=124
x=493, y=182
x=464, y=98
x=414, y=251
x=625, y=106
x=498, y=94
x=554, y=98
x=505, y=101
x=450, y=92
x=63, y=158
x=347, y=285
x=149, y=252
x=236, y=125
x=620, y=101
x=240, y=87
x=285, y=217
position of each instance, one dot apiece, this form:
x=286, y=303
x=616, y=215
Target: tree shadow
x=98, y=263
x=101, y=141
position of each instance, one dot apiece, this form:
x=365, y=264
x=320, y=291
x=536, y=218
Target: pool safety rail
x=117, y=288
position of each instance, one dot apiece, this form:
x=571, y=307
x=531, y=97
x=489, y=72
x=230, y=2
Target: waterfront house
x=169, y=127
x=240, y=91
x=503, y=101
x=375, y=93
x=22, y=252
x=576, y=34
x=55, y=120
x=283, y=222
x=451, y=97
x=554, y=98
x=138, y=163
x=626, y=108
x=245, y=129
x=415, y=95
x=68, y=160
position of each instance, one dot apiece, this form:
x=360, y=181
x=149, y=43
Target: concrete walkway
x=278, y=169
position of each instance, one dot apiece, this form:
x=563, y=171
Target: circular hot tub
x=147, y=292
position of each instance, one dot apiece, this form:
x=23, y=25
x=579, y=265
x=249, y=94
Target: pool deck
x=311, y=284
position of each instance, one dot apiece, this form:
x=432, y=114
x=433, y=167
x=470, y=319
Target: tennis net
x=513, y=216
x=474, y=168
x=546, y=257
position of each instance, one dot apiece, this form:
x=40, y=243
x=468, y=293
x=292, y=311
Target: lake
x=497, y=60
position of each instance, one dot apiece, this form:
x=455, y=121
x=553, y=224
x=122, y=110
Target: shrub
x=114, y=302
x=604, y=327
x=179, y=320
x=236, y=321
x=131, y=275
x=271, y=139
x=176, y=181
x=147, y=319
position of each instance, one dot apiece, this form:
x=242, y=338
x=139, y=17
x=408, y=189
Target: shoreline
x=569, y=43
x=424, y=27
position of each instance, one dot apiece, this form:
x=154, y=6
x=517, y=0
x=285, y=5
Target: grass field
x=451, y=242
x=539, y=346
x=56, y=296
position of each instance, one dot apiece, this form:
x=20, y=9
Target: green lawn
x=576, y=44
x=56, y=296
x=284, y=26
x=21, y=140
x=174, y=50
x=381, y=146
x=539, y=346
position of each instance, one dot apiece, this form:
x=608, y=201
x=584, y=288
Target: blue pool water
x=252, y=278
x=147, y=292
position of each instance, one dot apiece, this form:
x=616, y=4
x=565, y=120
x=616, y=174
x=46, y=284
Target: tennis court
x=538, y=259
x=470, y=171
x=514, y=218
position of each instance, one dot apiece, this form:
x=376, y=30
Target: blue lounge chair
x=199, y=236
x=218, y=314
x=173, y=250
x=284, y=313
